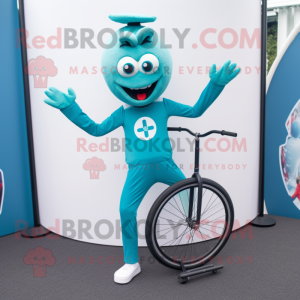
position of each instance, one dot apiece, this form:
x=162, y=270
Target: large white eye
x=127, y=66
x=148, y=64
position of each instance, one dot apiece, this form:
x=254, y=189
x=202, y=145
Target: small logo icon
x=39, y=258
x=145, y=128
x=41, y=68
x=1, y=190
x=94, y=165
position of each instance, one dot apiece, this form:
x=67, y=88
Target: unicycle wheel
x=171, y=236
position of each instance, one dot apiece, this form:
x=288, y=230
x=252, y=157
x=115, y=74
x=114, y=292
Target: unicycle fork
x=190, y=220
x=194, y=222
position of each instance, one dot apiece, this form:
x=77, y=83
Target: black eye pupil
x=128, y=68
x=147, y=66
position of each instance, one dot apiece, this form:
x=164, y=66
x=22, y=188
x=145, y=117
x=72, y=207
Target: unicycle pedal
x=185, y=275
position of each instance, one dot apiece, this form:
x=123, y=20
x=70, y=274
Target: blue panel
x=283, y=95
x=14, y=159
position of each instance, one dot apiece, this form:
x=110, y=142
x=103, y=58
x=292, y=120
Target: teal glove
x=225, y=74
x=58, y=99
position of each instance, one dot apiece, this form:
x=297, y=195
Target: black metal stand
x=185, y=275
x=35, y=232
x=262, y=220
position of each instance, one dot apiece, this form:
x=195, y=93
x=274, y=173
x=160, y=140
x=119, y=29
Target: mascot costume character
x=138, y=71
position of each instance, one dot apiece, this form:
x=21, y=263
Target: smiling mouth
x=141, y=93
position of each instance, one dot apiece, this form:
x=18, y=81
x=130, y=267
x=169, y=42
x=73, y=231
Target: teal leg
x=138, y=182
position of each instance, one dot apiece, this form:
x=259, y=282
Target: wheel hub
x=191, y=222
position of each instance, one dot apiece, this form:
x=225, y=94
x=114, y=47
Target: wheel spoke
x=168, y=228
x=165, y=233
x=176, y=208
x=208, y=202
x=166, y=219
x=211, y=209
x=174, y=215
x=215, y=212
x=208, y=229
x=185, y=244
x=172, y=240
x=180, y=240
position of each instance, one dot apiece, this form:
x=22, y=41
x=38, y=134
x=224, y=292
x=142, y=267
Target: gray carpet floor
x=263, y=266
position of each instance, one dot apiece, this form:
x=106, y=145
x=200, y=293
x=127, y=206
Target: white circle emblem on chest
x=145, y=128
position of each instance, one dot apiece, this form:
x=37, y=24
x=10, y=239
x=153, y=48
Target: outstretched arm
x=208, y=96
x=67, y=105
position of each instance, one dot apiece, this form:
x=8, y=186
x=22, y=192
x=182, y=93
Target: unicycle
x=191, y=221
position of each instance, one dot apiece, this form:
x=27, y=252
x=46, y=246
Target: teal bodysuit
x=148, y=151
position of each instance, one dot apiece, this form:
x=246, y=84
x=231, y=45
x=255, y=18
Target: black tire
x=166, y=198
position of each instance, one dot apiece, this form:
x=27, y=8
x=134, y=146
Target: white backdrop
x=66, y=192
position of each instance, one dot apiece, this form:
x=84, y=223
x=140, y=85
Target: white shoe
x=126, y=273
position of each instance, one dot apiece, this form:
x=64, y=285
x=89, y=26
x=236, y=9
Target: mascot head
x=136, y=68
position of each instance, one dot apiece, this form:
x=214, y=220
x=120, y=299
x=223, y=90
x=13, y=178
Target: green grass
x=271, y=44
